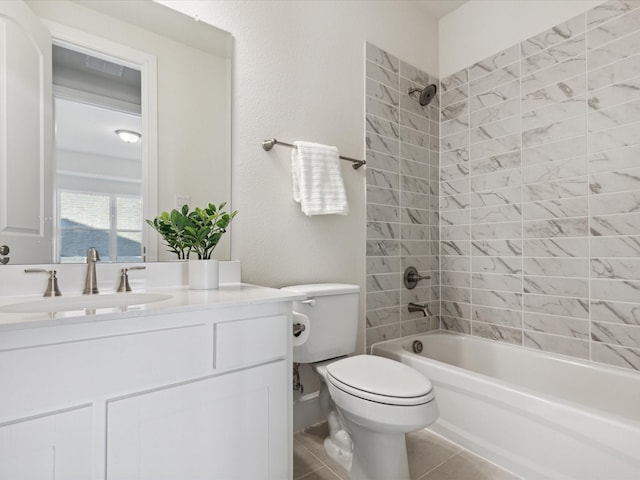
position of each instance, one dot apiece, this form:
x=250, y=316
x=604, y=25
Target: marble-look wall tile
x=495, y=113
x=613, y=52
x=618, y=356
x=556, y=150
x=559, y=267
x=614, y=29
x=455, y=80
x=618, y=246
x=495, y=95
x=549, y=114
x=494, y=62
x=497, y=77
x=507, y=127
x=571, y=187
x=554, y=93
x=556, y=247
x=557, y=325
x=497, y=316
x=614, y=73
x=607, y=225
x=616, y=312
x=560, y=208
x=553, y=305
x=609, y=10
x=614, y=116
x=540, y=79
x=557, y=344
x=382, y=58
x=497, y=332
x=555, y=54
x=402, y=140
x=558, y=34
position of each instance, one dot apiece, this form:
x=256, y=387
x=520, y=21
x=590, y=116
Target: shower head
x=426, y=94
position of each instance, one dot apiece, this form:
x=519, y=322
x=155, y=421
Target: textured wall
x=298, y=75
x=540, y=185
x=402, y=197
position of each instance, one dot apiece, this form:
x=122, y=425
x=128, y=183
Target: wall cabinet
x=199, y=395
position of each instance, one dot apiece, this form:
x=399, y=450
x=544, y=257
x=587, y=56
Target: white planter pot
x=204, y=274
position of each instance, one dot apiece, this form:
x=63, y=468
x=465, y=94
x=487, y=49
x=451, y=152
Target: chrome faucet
x=91, y=283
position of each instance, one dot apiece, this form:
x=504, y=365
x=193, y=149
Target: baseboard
x=306, y=411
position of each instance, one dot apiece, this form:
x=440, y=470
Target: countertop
x=181, y=299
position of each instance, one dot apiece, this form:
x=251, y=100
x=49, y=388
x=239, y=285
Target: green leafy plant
x=196, y=231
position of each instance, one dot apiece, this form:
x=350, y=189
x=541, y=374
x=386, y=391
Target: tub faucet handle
x=412, y=277
x=52, y=284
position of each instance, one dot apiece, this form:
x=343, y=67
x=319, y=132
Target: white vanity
x=196, y=386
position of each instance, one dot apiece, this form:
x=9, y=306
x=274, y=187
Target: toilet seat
x=380, y=380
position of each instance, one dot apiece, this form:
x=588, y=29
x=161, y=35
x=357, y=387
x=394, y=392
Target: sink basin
x=64, y=304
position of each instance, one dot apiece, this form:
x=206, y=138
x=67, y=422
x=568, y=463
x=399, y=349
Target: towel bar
x=268, y=145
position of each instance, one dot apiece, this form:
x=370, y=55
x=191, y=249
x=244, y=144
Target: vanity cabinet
x=202, y=394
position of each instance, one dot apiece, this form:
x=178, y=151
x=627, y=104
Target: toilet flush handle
x=311, y=302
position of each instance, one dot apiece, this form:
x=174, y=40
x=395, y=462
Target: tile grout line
x=588, y=238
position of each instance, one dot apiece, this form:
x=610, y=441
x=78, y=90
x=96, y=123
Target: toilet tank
x=330, y=316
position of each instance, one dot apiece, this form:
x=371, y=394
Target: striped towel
x=317, y=181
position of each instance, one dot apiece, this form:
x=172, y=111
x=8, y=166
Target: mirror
x=185, y=118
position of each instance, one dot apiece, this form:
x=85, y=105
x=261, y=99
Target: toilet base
x=377, y=456
x=338, y=445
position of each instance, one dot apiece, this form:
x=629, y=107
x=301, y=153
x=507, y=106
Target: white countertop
x=182, y=299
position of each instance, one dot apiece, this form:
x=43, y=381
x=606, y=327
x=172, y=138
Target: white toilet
x=373, y=400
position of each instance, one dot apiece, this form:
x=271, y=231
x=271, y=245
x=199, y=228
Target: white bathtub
x=539, y=415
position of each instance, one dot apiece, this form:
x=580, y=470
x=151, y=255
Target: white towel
x=317, y=181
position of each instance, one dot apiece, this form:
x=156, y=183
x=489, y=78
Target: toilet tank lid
x=319, y=289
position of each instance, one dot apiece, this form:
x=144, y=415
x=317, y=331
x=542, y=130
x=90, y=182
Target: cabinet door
x=226, y=427
x=53, y=446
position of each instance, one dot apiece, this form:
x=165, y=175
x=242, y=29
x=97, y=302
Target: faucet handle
x=52, y=284
x=412, y=277
x=124, y=278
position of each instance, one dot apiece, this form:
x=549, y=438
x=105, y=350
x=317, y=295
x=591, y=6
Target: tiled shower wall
x=402, y=197
x=540, y=191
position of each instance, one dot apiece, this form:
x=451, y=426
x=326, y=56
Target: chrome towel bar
x=268, y=145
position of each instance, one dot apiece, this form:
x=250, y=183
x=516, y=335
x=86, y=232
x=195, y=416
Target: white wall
x=299, y=75
x=480, y=28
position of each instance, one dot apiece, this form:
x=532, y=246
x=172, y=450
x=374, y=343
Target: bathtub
x=539, y=415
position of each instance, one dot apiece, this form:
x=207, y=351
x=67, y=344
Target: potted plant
x=195, y=233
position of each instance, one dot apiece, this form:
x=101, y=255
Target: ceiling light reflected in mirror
x=128, y=136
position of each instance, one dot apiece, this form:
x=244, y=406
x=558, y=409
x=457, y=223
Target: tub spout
x=416, y=307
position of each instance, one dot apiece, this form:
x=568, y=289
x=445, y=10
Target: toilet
x=370, y=401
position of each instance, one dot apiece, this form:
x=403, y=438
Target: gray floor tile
x=426, y=451
x=431, y=457
x=466, y=466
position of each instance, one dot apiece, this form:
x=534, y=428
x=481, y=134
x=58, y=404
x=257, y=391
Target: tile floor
x=431, y=457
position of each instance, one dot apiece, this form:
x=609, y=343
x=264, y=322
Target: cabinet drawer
x=59, y=375
x=251, y=341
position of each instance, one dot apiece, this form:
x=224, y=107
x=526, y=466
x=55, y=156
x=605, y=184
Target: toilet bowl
x=377, y=401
